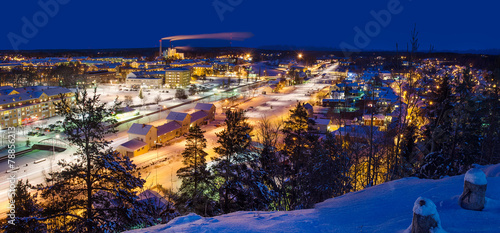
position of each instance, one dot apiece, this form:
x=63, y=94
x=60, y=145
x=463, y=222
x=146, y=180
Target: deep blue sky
x=448, y=25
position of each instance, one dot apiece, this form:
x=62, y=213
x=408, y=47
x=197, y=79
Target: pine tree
x=238, y=187
x=196, y=179
x=96, y=192
x=336, y=165
x=26, y=211
x=298, y=148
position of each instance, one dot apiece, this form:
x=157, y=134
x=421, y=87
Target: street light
x=300, y=55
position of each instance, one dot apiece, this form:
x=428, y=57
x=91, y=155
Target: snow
x=428, y=208
x=381, y=208
x=476, y=176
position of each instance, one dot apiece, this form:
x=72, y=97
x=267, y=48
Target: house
x=199, y=118
x=322, y=125
x=310, y=110
x=168, y=131
x=144, y=133
x=183, y=119
x=207, y=108
x=133, y=148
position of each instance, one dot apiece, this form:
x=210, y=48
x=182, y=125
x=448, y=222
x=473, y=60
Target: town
x=364, y=99
x=249, y=116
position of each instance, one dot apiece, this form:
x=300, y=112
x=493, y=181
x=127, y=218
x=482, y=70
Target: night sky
x=94, y=24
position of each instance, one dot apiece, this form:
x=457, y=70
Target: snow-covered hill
x=382, y=208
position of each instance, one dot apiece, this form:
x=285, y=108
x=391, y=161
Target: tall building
x=23, y=105
x=177, y=77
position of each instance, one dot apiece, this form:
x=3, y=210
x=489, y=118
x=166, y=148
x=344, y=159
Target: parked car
x=31, y=133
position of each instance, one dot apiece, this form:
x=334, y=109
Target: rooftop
x=168, y=127
x=177, y=116
x=198, y=115
x=134, y=144
x=139, y=129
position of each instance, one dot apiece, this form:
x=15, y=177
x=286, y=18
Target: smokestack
x=161, y=52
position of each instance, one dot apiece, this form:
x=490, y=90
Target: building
x=24, y=105
x=144, y=133
x=202, y=70
x=177, y=77
x=133, y=148
x=199, y=118
x=208, y=108
x=172, y=53
x=310, y=110
x=142, y=138
x=322, y=125
x=168, y=131
x=181, y=118
x=136, y=80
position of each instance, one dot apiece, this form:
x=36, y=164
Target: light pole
x=53, y=146
x=156, y=145
x=53, y=152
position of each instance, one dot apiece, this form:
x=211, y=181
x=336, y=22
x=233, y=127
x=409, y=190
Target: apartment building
x=19, y=106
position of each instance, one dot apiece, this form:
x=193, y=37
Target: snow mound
x=185, y=219
x=378, y=209
x=492, y=170
x=425, y=207
x=476, y=176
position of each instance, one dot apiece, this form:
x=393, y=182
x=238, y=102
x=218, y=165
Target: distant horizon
x=492, y=51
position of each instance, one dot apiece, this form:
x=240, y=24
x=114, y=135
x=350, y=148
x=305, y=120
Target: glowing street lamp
x=300, y=55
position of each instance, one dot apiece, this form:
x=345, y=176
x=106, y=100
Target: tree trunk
x=473, y=196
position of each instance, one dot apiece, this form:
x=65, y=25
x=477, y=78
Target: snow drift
x=383, y=208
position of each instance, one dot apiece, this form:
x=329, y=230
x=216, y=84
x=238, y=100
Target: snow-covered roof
x=177, y=116
x=322, y=121
x=139, y=129
x=134, y=144
x=198, y=115
x=168, y=127
x=13, y=95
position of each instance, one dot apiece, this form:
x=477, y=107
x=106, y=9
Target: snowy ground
x=382, y=208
